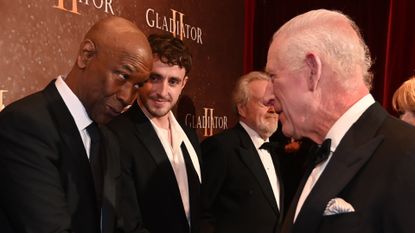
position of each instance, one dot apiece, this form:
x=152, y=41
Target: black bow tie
x=323, y=152
x=266, y=146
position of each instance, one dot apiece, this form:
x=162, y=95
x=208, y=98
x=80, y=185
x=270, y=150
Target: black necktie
x=323, y=152
x=95, y=159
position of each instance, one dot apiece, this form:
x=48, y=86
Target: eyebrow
x=130, y=68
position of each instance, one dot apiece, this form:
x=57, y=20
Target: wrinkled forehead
x=127, y=49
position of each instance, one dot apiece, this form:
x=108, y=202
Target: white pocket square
x=337, y=206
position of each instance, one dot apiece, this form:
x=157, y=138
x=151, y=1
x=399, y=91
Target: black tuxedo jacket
x=373, y=170
x=237, y=196
x=151, y=200
x=45, y=174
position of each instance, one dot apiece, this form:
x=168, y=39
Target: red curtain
x=386, y=25
x=400, y=47
x=249, y=35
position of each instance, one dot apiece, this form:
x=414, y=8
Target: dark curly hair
x=171, y=50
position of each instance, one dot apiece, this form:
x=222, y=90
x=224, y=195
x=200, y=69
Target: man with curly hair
x=160, y=158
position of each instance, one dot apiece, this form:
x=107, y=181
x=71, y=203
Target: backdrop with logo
x=39, y=40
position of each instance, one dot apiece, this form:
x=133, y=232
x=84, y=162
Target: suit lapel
x=337, y=175
x=73, y=159
x=354, y=150
x=146, y=133
x=289, y=218
x=72, y=143
x=250, y=158
x=276, y=149
x=194, y=187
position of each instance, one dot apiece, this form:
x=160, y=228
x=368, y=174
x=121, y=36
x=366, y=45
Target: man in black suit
x=363, y=176
x=47, y=138
x=161, y=172
x=241, y=189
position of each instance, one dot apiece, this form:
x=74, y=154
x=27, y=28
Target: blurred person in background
x=403, y=101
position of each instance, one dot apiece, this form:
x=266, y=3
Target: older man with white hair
x=362, y=180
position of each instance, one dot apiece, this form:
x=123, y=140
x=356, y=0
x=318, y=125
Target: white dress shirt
x=266, y=160
x=77, y=110
x=336, y=133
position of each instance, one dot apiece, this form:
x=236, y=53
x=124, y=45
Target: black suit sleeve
x=399, y=204
x=213, y=177
x=130, y=209
x=32, y=195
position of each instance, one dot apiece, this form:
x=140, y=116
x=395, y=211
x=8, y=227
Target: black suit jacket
x=151, y=200
x=236, y=192
x=45, y=175
x=373, y=170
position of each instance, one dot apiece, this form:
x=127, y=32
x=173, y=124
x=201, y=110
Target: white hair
x=324, y=32
x=241, y=93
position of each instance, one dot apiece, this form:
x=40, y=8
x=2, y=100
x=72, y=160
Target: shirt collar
x=256, y=139
x=76, y=108
x=343, y=124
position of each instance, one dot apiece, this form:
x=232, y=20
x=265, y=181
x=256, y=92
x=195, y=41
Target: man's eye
x=122, y=76
x=140, y=84
x=154, y=78
x=174, y=82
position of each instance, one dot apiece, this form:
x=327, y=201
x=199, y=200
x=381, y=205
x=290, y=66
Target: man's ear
x=86, y=52
x=241, y=110
x=314, y=64
x=185, y=80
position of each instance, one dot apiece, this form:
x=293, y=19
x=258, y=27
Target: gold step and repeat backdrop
x=39, y=40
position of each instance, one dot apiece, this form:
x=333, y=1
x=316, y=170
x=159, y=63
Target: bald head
x=113, y=24
x=116, y=34
x=114, y=60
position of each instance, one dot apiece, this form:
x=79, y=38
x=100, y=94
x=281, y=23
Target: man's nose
x=163, y=88
x=127, y=93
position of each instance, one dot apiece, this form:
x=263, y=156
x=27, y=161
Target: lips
x=113, y=111
x=159, y=102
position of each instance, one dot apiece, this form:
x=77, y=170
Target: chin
x=159, y=112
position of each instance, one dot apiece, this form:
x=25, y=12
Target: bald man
x=49, y=155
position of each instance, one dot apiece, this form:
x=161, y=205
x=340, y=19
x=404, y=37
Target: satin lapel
x=72, y=144
x=146, y=133
x=274, y=154
x=250, y=157
x=355, y=149
x=289, y=218
x=148, y=136
x=194, y=187
x=194, y=140
x=336, y=176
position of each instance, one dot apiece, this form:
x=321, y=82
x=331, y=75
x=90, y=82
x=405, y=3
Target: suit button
x=251, y=192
